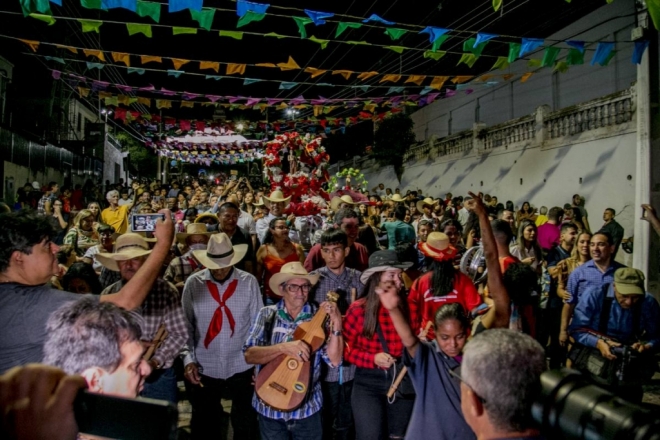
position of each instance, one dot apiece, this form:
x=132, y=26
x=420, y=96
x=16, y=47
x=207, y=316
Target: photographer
x=617, y=317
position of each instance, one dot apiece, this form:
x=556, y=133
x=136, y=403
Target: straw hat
x=397, y=198
x=207, y=215
x=275, y=197
x=288, y=272
x=220, y=253
x=437, y=247
x=380, y=261
x=127, y=247
x=259, y=203
x=193, y=229
x=426, y=202
x=337, y=201
x=147, y=239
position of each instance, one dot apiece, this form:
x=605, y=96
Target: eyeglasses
x=293, y=288
x=457, y=375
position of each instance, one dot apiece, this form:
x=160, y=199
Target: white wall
x=513, y=99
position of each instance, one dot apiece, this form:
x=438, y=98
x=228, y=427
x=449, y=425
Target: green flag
x=437, y=43
x=176, y=30
x=149, y=9
x=514, y=50
x=609, y=58
x=136, y=28
x=342, y=26
x=561, y=67
x=549, y=56
x=434, y=55
x=355, y=43
x=274, y=35
x=236, y=35
x=501, y=63
x=323, y=43
x=302, y=22
x=534, y=63
x=30, y=6
x=249, y=17
x=497, y=4
x=45, y=18
x=468, y=58
x=468, y=46
x=397, y=49
x=654, y=11
x=91, y=25
x=91, y=4
x=575, y=57
x=203, y=17
x=395, y=33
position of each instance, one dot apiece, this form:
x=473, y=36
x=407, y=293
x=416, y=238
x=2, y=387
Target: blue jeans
x=309, y=428
x=161, y=385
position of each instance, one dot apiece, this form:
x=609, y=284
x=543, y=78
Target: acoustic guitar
x=284, y=382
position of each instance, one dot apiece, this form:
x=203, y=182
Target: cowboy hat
x=380, y=261
x=207, y=215
x=193, y=229
x=259, y=203
x=275, y=197
x=427, y=201
x=337, y=201
x=147, y=239
x=288, y=272
x=437, y=247
x=397, y=198
x=127, y=247
x=219, y=252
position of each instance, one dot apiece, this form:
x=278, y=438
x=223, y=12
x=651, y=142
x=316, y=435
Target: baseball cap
x=629, y=281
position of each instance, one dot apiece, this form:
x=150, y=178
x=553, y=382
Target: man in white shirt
x=464, y=214
x=277, y=204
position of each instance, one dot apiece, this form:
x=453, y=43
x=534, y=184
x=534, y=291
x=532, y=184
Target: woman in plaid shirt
x=374, y=358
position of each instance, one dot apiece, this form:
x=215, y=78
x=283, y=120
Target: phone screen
x=145, y=222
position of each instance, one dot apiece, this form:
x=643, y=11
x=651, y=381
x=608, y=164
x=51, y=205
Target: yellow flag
x=416, y=79
x=149, y=59
x=69, y=48
x=235, y=68
x=83, y=91
x=345, y=73
x=34, y=45
x=438, y=82
x=526, y=76
x=163, y=103
x=366, y=75
x=461, y=79
x=103, y=95
x=265, y=65
x=289, y=65
x=318, y=109
x=123, y=99
x=390, y=77
x=122, y=58
x=144, y=101
x=209, y=65
x=187, y=104
x=179, y=62
x=314, y=72
x=94, y=53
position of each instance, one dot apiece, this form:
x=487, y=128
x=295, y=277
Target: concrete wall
x=112, y=156
x=513, y=99
x=16, y=176
x=79, y=116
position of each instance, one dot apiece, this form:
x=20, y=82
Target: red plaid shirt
x=361, y=351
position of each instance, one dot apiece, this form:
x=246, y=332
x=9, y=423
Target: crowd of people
x=218, y=293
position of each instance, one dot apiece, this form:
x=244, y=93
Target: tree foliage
x=141, y=158
x=392, y=139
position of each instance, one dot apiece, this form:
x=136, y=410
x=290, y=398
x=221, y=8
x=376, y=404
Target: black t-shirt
x=241, y=236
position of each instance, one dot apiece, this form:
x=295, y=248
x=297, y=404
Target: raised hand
x=389, y=295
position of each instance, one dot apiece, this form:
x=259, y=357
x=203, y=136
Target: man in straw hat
x=271, y=335
x=220, y=303
x=276, y=204
x=161, y=307
x=180, y=268
x=27, y=262
x=342, y=202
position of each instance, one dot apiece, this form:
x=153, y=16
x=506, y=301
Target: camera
x=573, y=408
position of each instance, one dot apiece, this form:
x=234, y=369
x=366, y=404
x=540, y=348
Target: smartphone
x=145, y=222
x=123, y=418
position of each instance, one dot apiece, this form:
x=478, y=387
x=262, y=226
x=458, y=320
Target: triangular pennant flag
x=501, y=63
x=318, y=18
x=342, y=26
x=390, y=77
x=123, y=99
x=243, y=7
x=437, y=43
x=394, y=90
x=301, y=22
x=84, y=92
x=395, y=33
x=180, y=5
x=434, y=33
x=34, y=45
x=561, y=67
x=529, y=44
x=461, y=79
x=69, y=48
x=215, y=77
x=497, y=4
x=249, y=17
x=122, y=58
x=416, y=79
x=434, y=55
x=236, y=35
x=289, y=65
x=203, y=17
x=355, y=43
x=438, y=82
x=274, y=35
x=640, y=48
x=366, y=75
x=131, y=5
x=136, y=28
x=149, y=9
x=48, y=19
x=549, y=56
x=136, y=70
x=91, y=25
x=31, y=6
x=426, y=90
x=177, y=62
x=287, y=86
x=526, y=76
x=345, y=73
x=314, y=72
x=323, y=43
x=468, y=58
x=375, y=17
x=609, y=57
x=56, y=59
x=579, y=45
x=248, y=81
x=482, y=38
x=266, y=65
x=111, y=100
x=508, y=76
x=144, y=59
x=397, y=49
x=449, y=93
x=603, y=50
x=144, y=101
x=483, y=78
x=163, y=103
x=235, y=68
x=91, y=65
x=514, y=50
x=178, y=30
x=209, y=65
x=534, y=63
x=476, y=50
x=94, y=53
x=186, y=104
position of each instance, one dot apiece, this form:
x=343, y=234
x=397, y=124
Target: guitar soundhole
x=292, y=364
x=277, y=387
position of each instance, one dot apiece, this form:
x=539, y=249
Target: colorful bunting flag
x=434, y=33
x=275, y=35
x=122, y=58
x=83, y=91
x=91, y=65
x=48, y=19
x=91, y=4
x=289, y=65
x=180, y=5
x=526, y=76
x=136, y=70
x=529, y=44
x=209, y=65
x=94, y=53
x=56, y=59
x=482, y=38
x=603, y=50
x=397, y=49
x=561, y=67
x=438, y=82
x=91, y=25
x=318, y=18
x=235, y=68
x=249, y=17
x=355, y=43
x=287, y=86
x=177, y=30
x=69, y=48
x=375, y=17
x=416, y=79
x=391, y=78
x=470, y=45
x=144, y=59
x=497, y=4
x=342, y=26
x=468, y=58
x=434, y=55
x=163, y=103
x=579, y=45
x=31, y=6
x=653, y=7
x=549, y=56
x=366, y=75
x=236, y=35
x=395, y=33
x=640, y=48
x=534, y=63
x=248, y=81
x=174, y=73
x=131, y=5
x=149, y=9
x=179, y=62
x=461, y=79
x=215, y=77
x=203, y=17
x=514, y=50
x=314, y=72
x=323, y=43
x=345, y=73
x=501, y=63
x=301, y=22
x=266, y=65
x=243, y=7
x=438, y=43
x=394, y=90
x=136, y=28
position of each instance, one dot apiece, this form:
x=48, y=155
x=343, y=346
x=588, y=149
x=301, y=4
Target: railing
x=609, y=111
x=520, y=130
